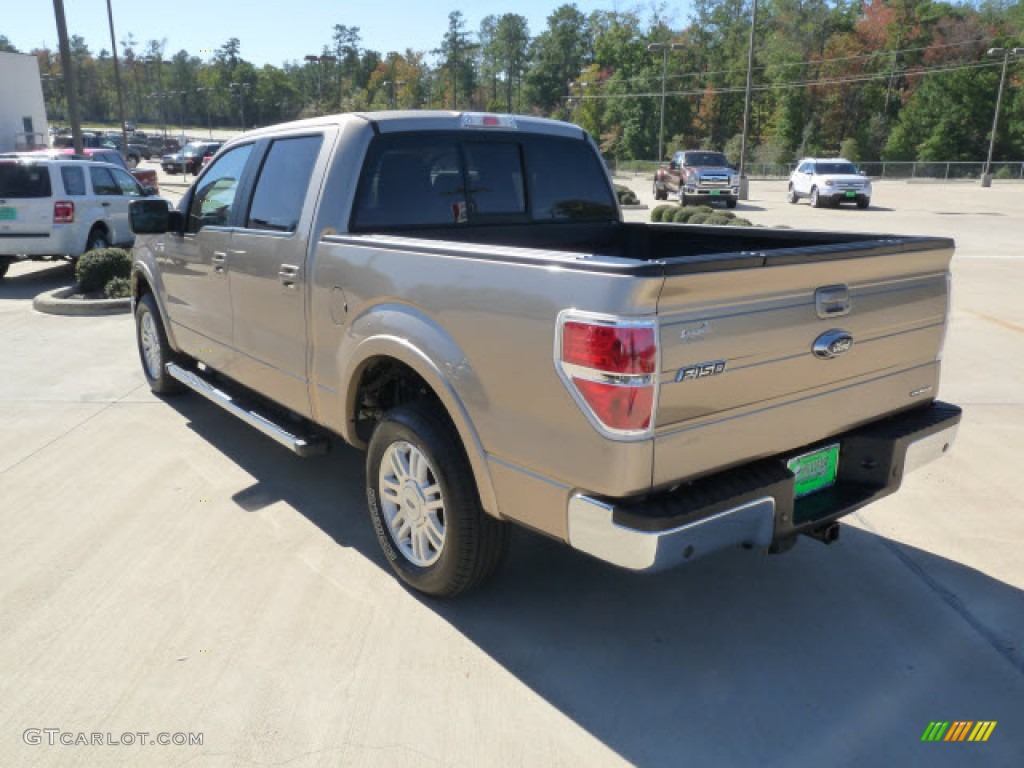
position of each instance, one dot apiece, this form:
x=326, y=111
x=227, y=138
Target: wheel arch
x=142, y=282
x=386, y=370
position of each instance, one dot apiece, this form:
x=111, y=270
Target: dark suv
x=190, y=158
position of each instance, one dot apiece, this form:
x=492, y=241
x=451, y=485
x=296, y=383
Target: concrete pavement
x=165, y=569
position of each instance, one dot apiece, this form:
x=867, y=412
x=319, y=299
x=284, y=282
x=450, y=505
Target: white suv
x=54, y=207
x=829, y=182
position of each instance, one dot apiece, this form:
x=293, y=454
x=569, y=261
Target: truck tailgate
x=739, y=377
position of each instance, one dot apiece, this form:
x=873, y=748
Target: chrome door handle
x=219, y=262
x=832, y=301
x=288, y=274
x=105, y=204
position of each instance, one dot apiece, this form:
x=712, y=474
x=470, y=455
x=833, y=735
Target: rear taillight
x=63, y=212
x=610, y=366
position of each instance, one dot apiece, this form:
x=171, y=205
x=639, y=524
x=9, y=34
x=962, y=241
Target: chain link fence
x=951, y=171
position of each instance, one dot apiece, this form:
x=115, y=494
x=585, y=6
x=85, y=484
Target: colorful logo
x=959, y=730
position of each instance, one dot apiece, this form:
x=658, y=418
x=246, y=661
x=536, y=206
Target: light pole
x=320, y=60
x=239, y=89
x=206, y=98
x=394, y=84
x=744, y=182
x=1006, y=53
x=159, y=87
x=664, y=48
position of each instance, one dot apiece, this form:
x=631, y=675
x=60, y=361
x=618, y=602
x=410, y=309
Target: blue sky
x=273, y=31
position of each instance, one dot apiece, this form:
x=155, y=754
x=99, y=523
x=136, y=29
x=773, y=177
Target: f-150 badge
x=832, y=344
x=700, y=371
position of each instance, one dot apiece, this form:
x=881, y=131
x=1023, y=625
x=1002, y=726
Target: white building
x=22, y=109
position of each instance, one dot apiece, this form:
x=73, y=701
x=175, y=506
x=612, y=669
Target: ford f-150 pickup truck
x=457, y=294
x=698, y=176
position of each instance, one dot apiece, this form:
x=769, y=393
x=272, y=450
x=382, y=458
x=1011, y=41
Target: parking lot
x=166, y=569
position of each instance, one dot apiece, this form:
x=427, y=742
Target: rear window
x=19, y=180
x=455, y=179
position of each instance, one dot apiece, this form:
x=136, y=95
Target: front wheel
x=730, y=202
x=154, y=351
x=424, y=505
x=659, y=194
x=815, y=199
x=863, y=202
x=4, y=264
x=791, y=195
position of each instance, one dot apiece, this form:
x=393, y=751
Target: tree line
x=871, y=79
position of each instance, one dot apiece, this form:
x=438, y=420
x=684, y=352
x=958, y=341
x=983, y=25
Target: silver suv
x=58, y=208
x=829, y=182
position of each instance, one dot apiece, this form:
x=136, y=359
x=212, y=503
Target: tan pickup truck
x=458, y=295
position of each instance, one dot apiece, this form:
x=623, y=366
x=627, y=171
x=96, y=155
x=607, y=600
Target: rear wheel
x=4, y=264
x=815, y=199
x=424, y=505
x=97, y=239
x=154, y=351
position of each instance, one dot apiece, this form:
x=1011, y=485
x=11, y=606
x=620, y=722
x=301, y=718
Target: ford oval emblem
x=832, y=344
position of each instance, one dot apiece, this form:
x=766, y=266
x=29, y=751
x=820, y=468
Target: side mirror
x=150, y=191
x=153, y=217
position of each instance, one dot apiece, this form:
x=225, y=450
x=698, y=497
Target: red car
x=145, y=176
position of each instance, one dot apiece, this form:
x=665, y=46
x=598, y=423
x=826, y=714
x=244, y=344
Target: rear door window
x=102, y=182
x=129, y=186
x=283, y=183
x=74, y=180
x=18, y=180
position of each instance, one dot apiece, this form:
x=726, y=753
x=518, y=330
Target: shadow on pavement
x=836, y=655
x=21, y=284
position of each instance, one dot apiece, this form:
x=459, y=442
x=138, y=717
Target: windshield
x=706, y=159
x=837, y=168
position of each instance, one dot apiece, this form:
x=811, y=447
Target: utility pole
x=117, y=82
x=1006, y=53
x=744, y=182
x=69, y=76
x=664, y=48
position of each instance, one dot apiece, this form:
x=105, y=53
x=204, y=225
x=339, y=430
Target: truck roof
x=431, y=120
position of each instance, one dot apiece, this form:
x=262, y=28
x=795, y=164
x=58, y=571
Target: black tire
x=863, y=202
x=154, y=351
x=730, y=202
x=660, y=194
x=815, y=199
x=4, y=265
x=791, y=195
x=472, y=543
x=98, y=238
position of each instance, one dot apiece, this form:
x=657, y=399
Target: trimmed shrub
x=118, y=288
x=699, y=218
x=738, y=222
x=718, y=220
x=727, y=213
x=661, y=213
x=626, y=195
x=98, y=267
x=680, y=215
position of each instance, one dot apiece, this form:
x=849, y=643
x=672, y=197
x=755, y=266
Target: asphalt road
x=165, y=569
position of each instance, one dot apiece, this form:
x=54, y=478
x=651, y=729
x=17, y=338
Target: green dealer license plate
x=7, y=213
x=851, y=193
x=815, y=471
x=714, y=192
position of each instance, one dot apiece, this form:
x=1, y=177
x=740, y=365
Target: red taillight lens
x=627, y=409
x=611, y=369
x=63, y=212
x=609, y=348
